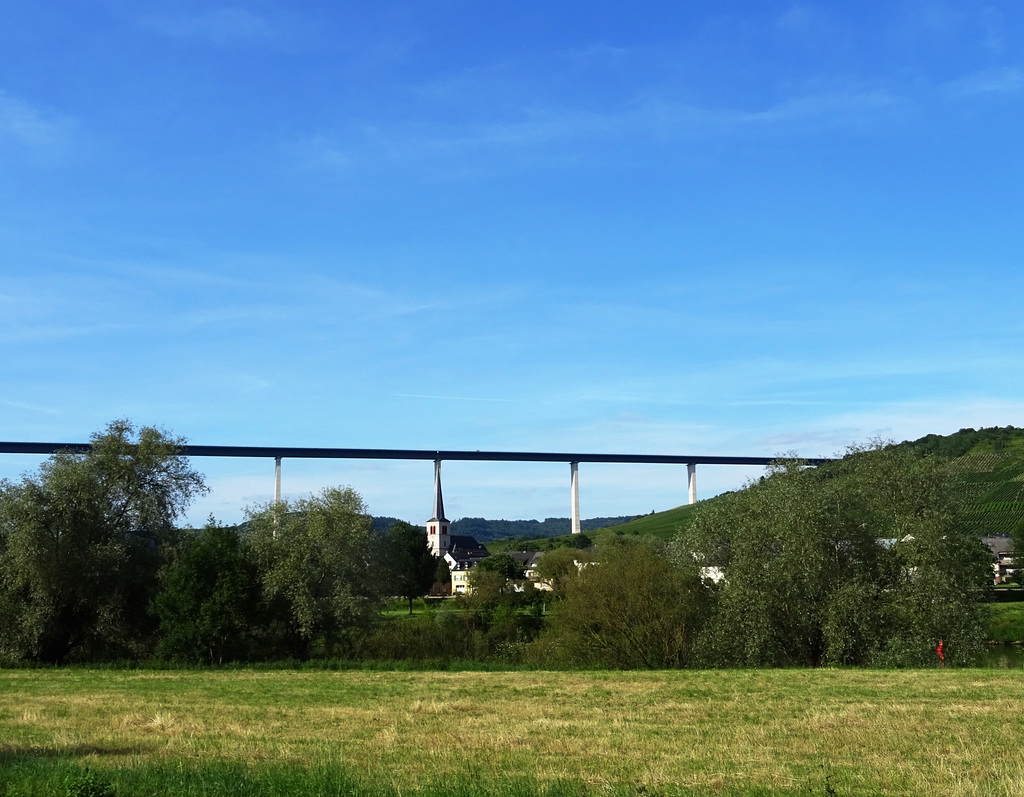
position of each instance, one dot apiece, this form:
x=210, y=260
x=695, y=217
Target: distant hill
x=662, y=525
x=989, y=463
x=487, y=530
x=383, y=523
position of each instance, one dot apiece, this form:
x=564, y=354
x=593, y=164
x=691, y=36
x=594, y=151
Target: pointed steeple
x=438, y=498
x=437, y=527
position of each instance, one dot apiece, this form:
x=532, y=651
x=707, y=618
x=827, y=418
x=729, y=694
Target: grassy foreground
x=949, y=732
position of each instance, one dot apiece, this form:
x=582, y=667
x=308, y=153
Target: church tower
x=437, y=527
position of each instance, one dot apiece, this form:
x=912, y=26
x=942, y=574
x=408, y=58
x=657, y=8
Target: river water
x=1004, y=657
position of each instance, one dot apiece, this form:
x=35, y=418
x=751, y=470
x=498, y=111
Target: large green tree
x=859, y=561
x=407, y=566
x=210, y=607
x=80, y=545
x=315, y=557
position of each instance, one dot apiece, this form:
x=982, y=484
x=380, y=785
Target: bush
x=630, y=608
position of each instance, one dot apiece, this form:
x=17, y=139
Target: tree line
x=862, y=561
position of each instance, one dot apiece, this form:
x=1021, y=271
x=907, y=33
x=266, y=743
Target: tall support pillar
x=691, y=479
x=277, y=479
x=574, y=471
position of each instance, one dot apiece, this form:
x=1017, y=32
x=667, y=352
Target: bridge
x=278, y=454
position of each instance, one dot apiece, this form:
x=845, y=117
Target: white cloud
x=219, y=26
x=454, y=398
x=33, y=128
x=805, y=22
x=528, y=130
x=911, y=420
x=1007, y=80
x=44, y=332
x=994, y=30
x=35, y=408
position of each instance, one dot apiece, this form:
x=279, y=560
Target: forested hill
x=486, y=530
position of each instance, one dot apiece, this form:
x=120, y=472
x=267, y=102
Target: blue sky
x=742, y=228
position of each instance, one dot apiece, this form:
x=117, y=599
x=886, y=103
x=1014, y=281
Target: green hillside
x=990, y=466
x=989, y=463
x=662, y=525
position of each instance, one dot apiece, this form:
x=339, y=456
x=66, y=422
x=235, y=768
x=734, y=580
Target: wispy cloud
x=32, y=128
x=1007, y=80
x=21, y=405
x=909, y=420
x=651, y=117
x=804, y=21
x=218, y=26
x=454, y=398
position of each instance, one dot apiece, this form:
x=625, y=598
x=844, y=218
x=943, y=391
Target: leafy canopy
x=315, y=557
x=860, y=561
x=80, y=545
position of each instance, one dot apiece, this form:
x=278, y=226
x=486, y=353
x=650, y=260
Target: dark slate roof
x=527, y=559
x=465, y=544
x=464, y=560
x=466, y=551
x=999, y=545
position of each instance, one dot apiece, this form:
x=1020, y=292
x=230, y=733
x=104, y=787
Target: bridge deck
x=291, y=452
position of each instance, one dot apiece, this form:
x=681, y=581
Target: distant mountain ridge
x=487, y=530
x=989, y=463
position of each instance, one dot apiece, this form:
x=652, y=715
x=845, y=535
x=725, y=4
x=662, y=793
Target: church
x=459, y=551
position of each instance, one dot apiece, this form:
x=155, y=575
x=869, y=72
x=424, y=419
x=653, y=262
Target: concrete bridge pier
x=691, y=479
x=574, y=475
x=277, y=479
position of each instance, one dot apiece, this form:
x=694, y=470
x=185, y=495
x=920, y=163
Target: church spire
x=437, y=527
x=438, y=498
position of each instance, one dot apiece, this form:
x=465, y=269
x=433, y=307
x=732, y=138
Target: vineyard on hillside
x=990, y=466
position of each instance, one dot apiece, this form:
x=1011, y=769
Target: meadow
x=95, y=732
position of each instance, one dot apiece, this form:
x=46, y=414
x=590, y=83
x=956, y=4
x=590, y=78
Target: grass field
x=949, y=732
x=1005, y=622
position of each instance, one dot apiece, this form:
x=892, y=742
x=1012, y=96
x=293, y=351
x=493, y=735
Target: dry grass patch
x=868, y=732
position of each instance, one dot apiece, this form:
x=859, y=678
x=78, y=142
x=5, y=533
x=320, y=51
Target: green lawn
x=743, y=732
x=663, y=525
x=1006, y=622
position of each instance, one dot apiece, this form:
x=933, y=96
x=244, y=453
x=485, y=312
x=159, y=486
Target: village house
x=1003, y=569
x=462, y=556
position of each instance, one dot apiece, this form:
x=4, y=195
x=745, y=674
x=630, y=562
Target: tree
x=442, y=584
x=80, y=545
x=315, y=557
x=858, y=561
x=502, y=564
x=210, y=607
x=560, y=565
x=630, y=608
x=408, y=565
x=490, y=582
